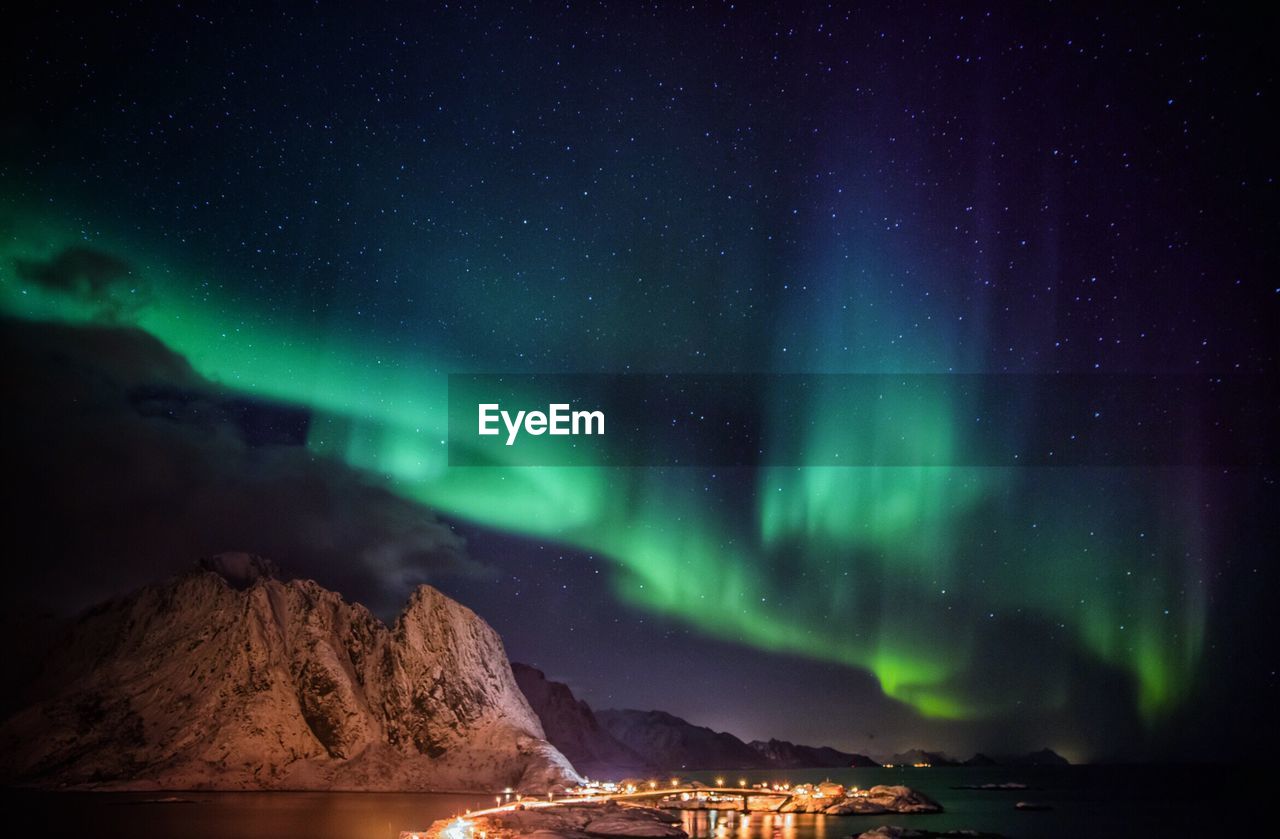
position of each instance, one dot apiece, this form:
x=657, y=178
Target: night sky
x=240, y=250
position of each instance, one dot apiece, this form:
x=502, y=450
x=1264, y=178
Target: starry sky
x=242, y=249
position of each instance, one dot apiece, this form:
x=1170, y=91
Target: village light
x=459, y=828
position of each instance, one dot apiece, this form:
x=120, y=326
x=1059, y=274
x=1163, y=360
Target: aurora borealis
x=331, y=213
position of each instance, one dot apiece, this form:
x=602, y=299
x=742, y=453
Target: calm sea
x=1086, y=801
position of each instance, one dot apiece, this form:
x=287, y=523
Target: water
x=1086, y=801
x=1092, y=801
x=232, y=815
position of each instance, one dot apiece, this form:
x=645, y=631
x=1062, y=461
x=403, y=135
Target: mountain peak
x=240, y=570
x=787, y=755
x=571, y=726
x=669, y=742
x=264, y=684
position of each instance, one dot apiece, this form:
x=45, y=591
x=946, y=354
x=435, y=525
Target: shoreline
x=652, y=813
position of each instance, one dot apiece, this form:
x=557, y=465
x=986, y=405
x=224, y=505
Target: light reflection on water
x=1128, y=801
x=1086, y=801
x=232, y=815
x=730, y=824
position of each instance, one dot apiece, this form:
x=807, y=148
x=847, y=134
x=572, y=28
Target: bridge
x=745, y=793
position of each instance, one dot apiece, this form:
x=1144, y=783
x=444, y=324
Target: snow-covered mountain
x=230, y=678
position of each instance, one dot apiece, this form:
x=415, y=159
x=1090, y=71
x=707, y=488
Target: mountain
x=980, y=759
x=913, y=756
x=667, y=742
x=784, y=755
x=1044, y=757
x=230, y=678
x=572, y=727
x=613, y=744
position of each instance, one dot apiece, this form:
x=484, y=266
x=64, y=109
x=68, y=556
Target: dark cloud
x=128, y=466
x=102, y=280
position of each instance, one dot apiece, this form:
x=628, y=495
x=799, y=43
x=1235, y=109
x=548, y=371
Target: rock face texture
x=786, y=755
x=571, y=726
x=228, y=678
x=667, y=742
x=879, y=799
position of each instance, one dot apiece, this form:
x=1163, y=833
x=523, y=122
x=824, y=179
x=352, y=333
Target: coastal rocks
x=635, y=822
x=816, y=798
x=579, y=821
x=229, y=678
x=883, y=799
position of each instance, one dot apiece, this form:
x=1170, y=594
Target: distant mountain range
x=570, y=722
x=1044, y=757
x=618, y=743
x=622, y=742
x=668, y=742
x=229, y=677
x=784, y=755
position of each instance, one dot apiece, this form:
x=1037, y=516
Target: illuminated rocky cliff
x=229, y=678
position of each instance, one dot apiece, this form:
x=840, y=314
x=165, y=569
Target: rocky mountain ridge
x=617, y=743
x=786, y=755
x=572, y=727
x=229, y=678
x=670, y=743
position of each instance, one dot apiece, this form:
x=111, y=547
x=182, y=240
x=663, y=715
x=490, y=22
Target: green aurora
x=894, y=570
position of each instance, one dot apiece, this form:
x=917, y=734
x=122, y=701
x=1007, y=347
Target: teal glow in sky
x=336, y=210
x=894, y=570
